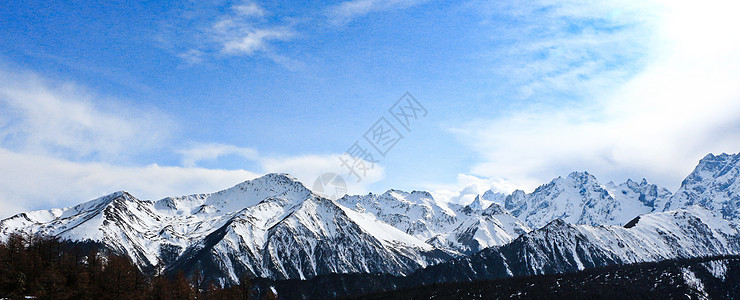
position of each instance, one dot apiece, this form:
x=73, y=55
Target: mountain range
x=274, y=227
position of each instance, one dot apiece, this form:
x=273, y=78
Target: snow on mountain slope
x=479, y=229
x=562, y=247
x=681, y=233
x=386, y=233
x=449, y=226
x=577, y=198
x=270, y=226
x=118, y=220
x=488, y=197
x=496, y=197
x=314, y=237
x=714, y=184
x=275, y=227
x=580, y=199
x=636, y=198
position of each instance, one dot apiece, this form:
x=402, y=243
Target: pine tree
x=182, y=289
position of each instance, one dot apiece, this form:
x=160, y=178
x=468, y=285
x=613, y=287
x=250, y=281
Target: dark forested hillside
x=49, y=269
x=699, y=278
x=46, y=268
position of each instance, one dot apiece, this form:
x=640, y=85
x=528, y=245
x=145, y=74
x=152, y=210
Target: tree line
x=45, y=267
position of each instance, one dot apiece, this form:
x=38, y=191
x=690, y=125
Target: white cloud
x=655, y=124
x=345, y=12
x=249, y=9
x=250, y=40
x=61, y=145
x=59, y=148
x=242, y=30
x=211, y=152
x=546, y=49
x=31, y=181
x=468, y=187
x=192, y=56
x=308, y=168
x=62, y=119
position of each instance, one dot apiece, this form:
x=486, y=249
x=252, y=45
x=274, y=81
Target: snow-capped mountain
x=479, y=229
x=488, y=197
x=714, y=184
x=313, y=237
x=638, y=197
x=449, y=226
x=580, y=199
x=271, y=226
x=119, y=220
x=561, y=247
x=275, y=227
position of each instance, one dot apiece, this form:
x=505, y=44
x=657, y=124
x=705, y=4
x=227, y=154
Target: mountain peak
x=723, y=156
x=422, y=194
x=582, y=176
x=713, y=166
x=713, y=185
x=396, y=191
x=242, y=195
x=418, y=197
x=576, y=174
x=637, y=184
x=123, y=194
x=277, y=177
x=107, y=199
x=556, y=225
x=476, y=205
x=118, y=193
x=491, y=196
x=712, y=162
x=494, y=209
x=579, y=198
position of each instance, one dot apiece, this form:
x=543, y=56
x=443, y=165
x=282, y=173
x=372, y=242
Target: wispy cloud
x=250, y=40
x=546, y=49
x=249, y=9
x=467, y=187
x=210, y=152
x=655, y=122
x=347, y=11
x=30, y=181
x=241, y=29
x=61, y=144
x=63, y=119
x=307, y=168
x=58, y=149
x=192, y=56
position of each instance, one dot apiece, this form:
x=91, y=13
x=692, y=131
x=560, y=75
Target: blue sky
x=165, y=97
